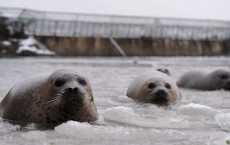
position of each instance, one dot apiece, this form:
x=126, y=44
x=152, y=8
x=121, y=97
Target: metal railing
x=93, y=25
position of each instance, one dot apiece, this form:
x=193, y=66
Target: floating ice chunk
x=34, y=135
x=124, y=98
x=87, y=131
x=197, y=109
x=128, y=116
x=120, y=114
x=223, y=120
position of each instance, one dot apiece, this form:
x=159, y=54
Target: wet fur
x=36, y=100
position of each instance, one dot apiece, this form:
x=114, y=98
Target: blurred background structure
x=78, y=34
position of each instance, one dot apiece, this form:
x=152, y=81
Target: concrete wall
x=79, y=46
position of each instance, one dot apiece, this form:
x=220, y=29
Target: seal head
x=221, y=79
x=214, y=80
x=51, y=99
x=154, y=87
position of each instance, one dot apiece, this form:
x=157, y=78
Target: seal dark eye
x=167, y=85
x=82, y=82
x=59, y=82
x=151, y=85
x=223, y=76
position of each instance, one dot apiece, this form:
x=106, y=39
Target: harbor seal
x=50, y=99
x=154, y=87
x=201, y=80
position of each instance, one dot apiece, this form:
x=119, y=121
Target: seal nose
x=161, y=94
x=160, y=97
x=72, y=90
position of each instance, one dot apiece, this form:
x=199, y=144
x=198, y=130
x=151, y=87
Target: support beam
x=116, y=45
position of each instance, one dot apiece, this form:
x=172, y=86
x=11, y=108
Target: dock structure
x=110, y=35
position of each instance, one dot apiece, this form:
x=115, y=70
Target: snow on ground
x=6, y=43
x=33, y=46
x=201, y=118
x=8, y=15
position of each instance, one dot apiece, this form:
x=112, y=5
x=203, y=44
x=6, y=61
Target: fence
x=107, y=26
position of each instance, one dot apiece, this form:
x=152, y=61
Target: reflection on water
x=121, y=120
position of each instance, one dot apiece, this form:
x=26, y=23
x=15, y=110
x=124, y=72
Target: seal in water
x=201, y=80
x=154, y=87
x=50, y=99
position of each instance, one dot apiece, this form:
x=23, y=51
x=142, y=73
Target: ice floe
x=128, y=116
x=85, y=130
x=223, y=120
x=198, y=110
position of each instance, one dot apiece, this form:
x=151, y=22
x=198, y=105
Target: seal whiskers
x=54, y=103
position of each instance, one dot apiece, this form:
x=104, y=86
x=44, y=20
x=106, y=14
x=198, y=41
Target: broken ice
x=223, y=120
x=85, y=130
x=127, y=115
x=198, y=110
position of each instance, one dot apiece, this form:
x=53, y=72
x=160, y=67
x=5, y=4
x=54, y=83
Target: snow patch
x=33, y=46
x=8, y=15
x=28, y=41
x=85, y=130
x=6, y=43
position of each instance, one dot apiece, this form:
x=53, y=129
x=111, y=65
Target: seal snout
x=72, y=90
x=73, y=94
x=160, y=96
